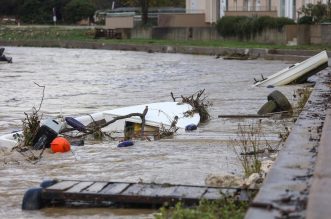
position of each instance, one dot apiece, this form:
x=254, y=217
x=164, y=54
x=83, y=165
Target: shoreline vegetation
x=14, y=34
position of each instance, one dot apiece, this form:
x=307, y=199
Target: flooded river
x=80, y=81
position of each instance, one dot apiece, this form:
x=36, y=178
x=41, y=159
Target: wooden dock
x=98, y=193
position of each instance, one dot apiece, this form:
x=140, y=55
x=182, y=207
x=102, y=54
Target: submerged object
x=191, y=127
x=127, y=143
x=77, y=125
x=159, y=115
x=46, y=133
x=4, y=58
x=296, y=73
x=277, y=102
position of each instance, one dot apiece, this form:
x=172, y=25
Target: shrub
x=77, y=10
x=306, y=20
x=225, y=26
x=246, y=27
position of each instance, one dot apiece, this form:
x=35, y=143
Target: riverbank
x=64, y=37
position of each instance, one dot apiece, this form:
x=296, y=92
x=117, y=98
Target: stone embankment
x=300, y=176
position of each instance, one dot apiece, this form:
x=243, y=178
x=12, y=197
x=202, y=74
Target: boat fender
x=47, y=183
x=191, y=127
x=125, y=144
x=32, y=199
x=60, y=144
x=75, y=124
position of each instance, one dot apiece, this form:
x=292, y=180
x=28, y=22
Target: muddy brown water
x=80, y=81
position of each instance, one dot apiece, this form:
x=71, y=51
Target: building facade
x=214, y=9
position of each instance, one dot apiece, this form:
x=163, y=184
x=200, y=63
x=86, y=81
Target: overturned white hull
x=158, y=114
x=297, y=72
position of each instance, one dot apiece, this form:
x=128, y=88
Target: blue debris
x=75, y=124
x=191, y=127
x=125, y=144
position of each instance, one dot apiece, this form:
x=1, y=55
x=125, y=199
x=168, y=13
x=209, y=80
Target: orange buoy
x=60, y=144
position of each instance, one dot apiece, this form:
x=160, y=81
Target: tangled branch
x=199, y=104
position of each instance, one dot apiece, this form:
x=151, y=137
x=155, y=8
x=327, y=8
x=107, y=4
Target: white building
x=211, y=9
x=214, y=9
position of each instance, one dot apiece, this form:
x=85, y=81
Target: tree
x=144, y=11
x=10, y=7
x=315, y=12
x=31, y=12
x=77, y=10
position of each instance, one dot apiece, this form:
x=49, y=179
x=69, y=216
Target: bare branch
x=42, y=98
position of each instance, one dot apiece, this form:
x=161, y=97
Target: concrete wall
x=272, y=36
x=173, y=33
x=325, y=33
x=140, y=32
x=291, y=32
x=119, y=22
x=181, y=20
x=304, y=34
x=315, y=34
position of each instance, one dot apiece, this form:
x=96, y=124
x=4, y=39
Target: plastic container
x=46, y=133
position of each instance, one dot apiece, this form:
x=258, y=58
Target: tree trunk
x=144, y=11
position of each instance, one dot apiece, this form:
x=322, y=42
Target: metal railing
x=252, y=8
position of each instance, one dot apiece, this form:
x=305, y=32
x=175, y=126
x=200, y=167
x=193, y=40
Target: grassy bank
x=87, y=35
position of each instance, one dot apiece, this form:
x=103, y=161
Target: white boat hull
x=159, y=114
x=296, y=72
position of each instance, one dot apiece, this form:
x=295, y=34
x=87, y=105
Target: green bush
x=225, y=26
x=77, y=10
x=246, y=27
x=221, y=209
x=306, y=20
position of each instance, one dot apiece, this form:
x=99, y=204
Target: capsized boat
x=296, y=73
x=159, y=115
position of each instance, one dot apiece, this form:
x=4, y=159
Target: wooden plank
x=164, y=191
x=149, y=190
x=95, y=188
x=114, y=188
x=189, y=192
x=79, y=187
x=63, y=185
x=212, y=194
x=134, y=189
x=217, y=193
